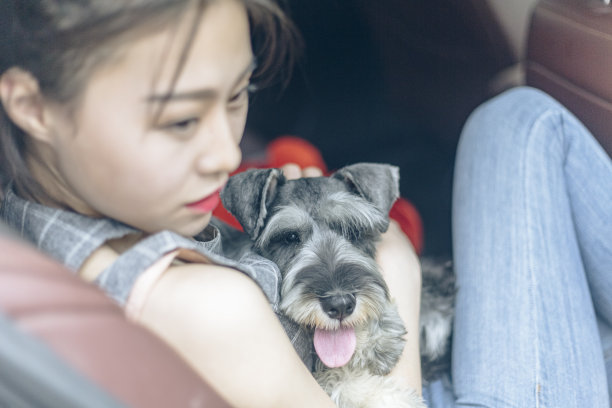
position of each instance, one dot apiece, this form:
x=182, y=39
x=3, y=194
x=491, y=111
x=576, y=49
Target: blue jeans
x=532, y=242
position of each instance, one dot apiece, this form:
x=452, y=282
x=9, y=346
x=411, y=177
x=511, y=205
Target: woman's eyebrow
x=200, y=93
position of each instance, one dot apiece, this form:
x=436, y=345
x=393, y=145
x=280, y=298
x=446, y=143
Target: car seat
x=569, y=55
x=63, y=343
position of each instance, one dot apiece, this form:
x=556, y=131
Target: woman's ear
x=23, y=102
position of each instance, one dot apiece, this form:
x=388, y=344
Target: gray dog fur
x=322, y=233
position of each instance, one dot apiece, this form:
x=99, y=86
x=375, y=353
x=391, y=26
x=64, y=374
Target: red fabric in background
x=291, y=149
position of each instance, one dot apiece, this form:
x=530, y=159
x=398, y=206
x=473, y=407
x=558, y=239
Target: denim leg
x=605, y=332
x=532, y=242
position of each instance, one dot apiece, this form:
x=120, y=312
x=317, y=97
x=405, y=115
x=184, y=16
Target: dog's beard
x=333, y=287
x=328, y=267
x=304, y=307
x=335, y=340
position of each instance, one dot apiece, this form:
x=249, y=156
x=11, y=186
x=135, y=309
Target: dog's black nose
x=338, y=306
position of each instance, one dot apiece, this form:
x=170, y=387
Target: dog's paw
x=361, y=390
x=381, y=344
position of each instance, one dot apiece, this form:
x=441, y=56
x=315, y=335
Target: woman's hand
x=293, y=171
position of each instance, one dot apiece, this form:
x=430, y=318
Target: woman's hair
x=61, y=42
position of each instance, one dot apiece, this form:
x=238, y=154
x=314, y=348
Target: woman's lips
x=207, y=204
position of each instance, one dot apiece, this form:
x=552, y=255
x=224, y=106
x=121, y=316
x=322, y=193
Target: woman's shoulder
x=114, y=255
x=65, y=235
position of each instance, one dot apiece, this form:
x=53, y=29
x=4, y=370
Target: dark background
x=389, y=81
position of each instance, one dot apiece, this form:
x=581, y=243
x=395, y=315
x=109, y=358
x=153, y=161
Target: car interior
x=388, y=81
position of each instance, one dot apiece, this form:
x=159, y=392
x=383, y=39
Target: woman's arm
x=220, y=322
x=402, y=272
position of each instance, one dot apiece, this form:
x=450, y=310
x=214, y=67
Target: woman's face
x=121, y=156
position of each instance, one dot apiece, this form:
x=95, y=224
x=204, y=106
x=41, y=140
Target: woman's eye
x=242, y=96
x=183, y=127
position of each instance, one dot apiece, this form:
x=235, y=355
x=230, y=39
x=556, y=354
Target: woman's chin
x=195, y=226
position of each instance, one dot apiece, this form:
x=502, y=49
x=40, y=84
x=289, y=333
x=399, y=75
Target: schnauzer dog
x=322, y=234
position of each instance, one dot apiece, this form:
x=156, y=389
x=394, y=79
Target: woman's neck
x=52, y=191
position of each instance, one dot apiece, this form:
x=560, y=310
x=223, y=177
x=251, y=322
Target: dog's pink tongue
x=335, y=347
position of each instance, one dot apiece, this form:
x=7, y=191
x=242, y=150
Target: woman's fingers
x=312, y=172
x=293, y=171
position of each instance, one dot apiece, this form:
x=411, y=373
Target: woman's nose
x=220, y=150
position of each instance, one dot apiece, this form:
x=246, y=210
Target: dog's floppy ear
x=247, y=196
x=377, y=183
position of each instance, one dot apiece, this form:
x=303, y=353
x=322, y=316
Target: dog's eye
x=289, y=238
x=292, y=238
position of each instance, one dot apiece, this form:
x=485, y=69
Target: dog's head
x=321, y=232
